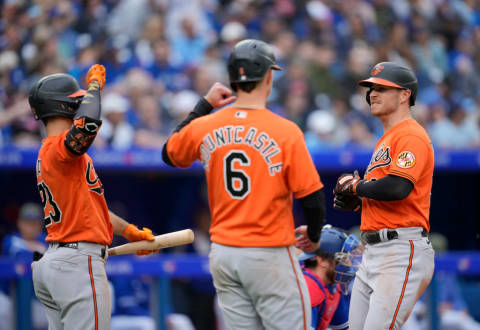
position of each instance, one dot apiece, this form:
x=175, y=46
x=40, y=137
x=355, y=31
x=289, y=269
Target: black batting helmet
x=250, y=60
x=55, y=95
x=393, y=75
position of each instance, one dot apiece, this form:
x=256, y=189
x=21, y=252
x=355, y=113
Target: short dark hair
x=245, y=86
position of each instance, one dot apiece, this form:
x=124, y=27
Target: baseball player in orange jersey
x=394, y=196
x=70, y=278
x=255, y=162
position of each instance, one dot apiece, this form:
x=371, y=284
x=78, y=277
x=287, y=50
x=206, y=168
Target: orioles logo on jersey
x=380, y=158
x=93, y=180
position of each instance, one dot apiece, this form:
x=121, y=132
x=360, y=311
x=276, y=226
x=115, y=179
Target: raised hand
x=96, y=73
x=219, y=95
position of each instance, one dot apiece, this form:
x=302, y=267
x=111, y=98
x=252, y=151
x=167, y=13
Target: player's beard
x=330, y=273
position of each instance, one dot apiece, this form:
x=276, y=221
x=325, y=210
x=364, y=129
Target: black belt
x=373, y=237
x=74, y=245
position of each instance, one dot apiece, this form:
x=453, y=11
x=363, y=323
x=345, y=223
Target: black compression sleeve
x=202, y=108
x=90, y=106
x=389, y=188
x=313, y=207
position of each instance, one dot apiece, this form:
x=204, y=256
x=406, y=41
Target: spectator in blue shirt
x=30, y=236
x=21, y=245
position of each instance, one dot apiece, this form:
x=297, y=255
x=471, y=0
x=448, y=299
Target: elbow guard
x=81, y=135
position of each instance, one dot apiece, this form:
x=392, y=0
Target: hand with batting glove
x=347, y=184
x=96, y=73
x=133, y=234
x=347, y=203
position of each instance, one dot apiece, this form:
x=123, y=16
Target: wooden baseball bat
x=175, y=238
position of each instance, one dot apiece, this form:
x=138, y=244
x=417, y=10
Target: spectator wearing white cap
x=321, y=126
x=115, y=132
x=181, y=104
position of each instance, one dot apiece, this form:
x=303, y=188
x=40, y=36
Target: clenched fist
x=219, y=96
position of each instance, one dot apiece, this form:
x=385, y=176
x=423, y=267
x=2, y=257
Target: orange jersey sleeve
x=404, y=151
x=72, y=195
x=254, y=162
x=410, y=157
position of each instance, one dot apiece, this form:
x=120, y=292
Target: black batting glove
x=347, y=184
x=347, y=203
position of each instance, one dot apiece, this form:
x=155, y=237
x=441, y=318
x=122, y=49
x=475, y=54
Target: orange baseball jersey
x=405, y=151
x=72, y=195
x=254, y=160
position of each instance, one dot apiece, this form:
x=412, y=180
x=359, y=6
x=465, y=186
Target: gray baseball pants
x=260, y=287
x=72, y=285
x=391, y=278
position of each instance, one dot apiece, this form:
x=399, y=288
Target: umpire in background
x=394, y=197
x=255, y=162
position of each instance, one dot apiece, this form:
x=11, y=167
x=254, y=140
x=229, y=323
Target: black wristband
x=202, y=107
x=312, y=234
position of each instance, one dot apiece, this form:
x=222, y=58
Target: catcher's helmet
x=346, y=249
x=55, y=95
x=393, y=75
x=250, y=60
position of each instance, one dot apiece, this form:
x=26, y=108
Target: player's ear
x=269, y=77
x=405, y=95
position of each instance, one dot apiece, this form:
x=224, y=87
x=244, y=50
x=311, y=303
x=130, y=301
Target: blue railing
x=326, y=160
x=169, y=266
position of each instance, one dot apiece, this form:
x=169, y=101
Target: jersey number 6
x=237, y=182
x=47, y=200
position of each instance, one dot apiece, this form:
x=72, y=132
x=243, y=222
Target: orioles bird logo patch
x=376, y=70
x=241, y=71
x=406, y=159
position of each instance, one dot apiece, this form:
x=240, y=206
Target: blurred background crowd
x=162, y=55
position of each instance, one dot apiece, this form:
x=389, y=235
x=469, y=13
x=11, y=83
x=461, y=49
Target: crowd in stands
x=162, y=55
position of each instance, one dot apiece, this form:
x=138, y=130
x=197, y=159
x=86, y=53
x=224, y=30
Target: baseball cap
x=30, y=211
x=114, y=103
x=321, y=122
x=332, y=240
x=183, y=102
x=233, y=31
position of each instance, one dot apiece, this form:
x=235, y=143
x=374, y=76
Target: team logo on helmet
x=406, y=159
x=241, y=72
x=377, y=69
